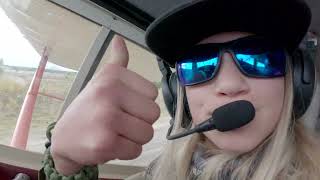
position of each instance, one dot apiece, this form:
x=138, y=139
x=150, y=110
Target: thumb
x=119, y=52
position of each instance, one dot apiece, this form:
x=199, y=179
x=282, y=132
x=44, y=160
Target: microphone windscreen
x=233, y=115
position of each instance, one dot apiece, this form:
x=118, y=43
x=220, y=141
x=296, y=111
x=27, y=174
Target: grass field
x=13, y=89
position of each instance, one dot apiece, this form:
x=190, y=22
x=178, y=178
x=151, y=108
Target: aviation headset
x=303, y=86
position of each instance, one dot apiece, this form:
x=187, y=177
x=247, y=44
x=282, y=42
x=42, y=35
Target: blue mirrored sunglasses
x=254, y=56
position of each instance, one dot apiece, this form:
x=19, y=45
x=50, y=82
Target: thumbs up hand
x=110, y=119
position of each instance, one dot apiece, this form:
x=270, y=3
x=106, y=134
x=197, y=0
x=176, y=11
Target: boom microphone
x=225, y=118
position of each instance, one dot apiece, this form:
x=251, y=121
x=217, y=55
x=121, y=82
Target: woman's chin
x=232, y=141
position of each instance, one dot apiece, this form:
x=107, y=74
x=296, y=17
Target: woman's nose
x=230, y=81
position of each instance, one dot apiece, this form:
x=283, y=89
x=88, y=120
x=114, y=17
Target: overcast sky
x=15, y=50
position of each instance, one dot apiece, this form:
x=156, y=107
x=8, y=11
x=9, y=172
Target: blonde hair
x=290, y=152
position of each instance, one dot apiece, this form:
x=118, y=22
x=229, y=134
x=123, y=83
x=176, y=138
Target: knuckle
x=108, y=92
x=149, y=133
x=111, y=84
x=155, y=111
x=154, y=91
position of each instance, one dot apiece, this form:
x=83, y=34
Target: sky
x=15, y=50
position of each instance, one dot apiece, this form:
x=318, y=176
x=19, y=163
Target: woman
x=272, y=146
x=246, y=51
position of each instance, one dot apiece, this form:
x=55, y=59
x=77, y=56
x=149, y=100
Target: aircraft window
x=26, y=28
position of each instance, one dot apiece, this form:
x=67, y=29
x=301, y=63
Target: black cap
x=284, y=21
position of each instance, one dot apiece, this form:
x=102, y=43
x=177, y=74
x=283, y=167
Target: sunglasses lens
x=262, y=64
x=194, y=71
x=259, y=57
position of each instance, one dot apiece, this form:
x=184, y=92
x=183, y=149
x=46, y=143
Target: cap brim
x=285, y=21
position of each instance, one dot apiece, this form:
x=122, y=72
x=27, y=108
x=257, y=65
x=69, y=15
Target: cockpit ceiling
x=142, y=12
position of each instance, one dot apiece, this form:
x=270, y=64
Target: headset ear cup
x=167, y=96
x=173, y=90
x=303, y=82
